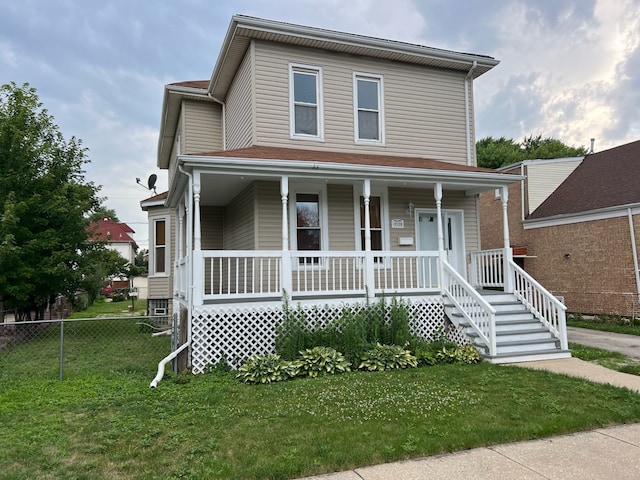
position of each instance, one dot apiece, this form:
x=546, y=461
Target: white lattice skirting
x=237, y=332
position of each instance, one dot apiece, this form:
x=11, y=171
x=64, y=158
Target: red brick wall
x=590, y=264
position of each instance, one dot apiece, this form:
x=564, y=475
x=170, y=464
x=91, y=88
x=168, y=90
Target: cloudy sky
x=569, y=69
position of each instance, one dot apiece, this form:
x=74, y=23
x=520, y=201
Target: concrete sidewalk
x=608, y=453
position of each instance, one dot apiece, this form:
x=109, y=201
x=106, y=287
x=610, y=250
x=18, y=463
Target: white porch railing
x=475, y=309
x=487, y=270
x=546, y=307
x=249, y=274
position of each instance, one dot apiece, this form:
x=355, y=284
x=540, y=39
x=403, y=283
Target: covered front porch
x=367, y=233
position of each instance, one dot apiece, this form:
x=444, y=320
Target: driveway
x=628, y=345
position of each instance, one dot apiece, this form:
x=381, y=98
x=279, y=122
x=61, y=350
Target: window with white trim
x=309, y=229
x=378, y=215
x=159, y=262
x=306, y=116
x=368, y=108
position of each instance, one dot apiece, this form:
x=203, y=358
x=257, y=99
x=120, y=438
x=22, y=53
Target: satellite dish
x=152, y=181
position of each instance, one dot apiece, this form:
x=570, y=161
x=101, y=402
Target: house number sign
x=397, y=223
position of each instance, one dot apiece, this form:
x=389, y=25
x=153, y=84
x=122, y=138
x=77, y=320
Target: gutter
x=224, y=119
x=468, y=80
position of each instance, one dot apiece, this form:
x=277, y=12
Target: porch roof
x=232, y=168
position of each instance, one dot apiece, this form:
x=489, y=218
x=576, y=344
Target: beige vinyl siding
x=239, y=224
x=268, y=216
x=544, y=177
x=203, y=127
x=212, y=223
x=451, y=200
x=341, y=217
x=239, y=107
x=424, y=108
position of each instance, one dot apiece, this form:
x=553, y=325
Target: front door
x=452, y=224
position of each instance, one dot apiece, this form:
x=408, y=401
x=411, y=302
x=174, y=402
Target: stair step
x=524, y=346
x=531, y=356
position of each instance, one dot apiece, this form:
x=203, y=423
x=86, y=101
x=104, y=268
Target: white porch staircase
x=520, y=336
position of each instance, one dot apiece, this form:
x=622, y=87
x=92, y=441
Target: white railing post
x=437, y=193
x=508, y=253
x=368, y=254
x=286, y=274
x=198, y=278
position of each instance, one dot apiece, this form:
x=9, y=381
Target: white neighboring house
x=117, y=236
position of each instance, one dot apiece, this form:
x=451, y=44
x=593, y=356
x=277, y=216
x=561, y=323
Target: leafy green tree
x=495, y=153
x=44, y=205
x=102, y=212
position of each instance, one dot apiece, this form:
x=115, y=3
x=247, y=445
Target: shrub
x=321, y=360
x=387, y=357
x=266, y=369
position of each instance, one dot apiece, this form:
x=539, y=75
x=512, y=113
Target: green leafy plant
x=266, y=369
x=387, y=357
x=321, y=360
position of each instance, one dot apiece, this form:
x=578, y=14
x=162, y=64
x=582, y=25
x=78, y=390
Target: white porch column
x=437, y=193
x=508, y=253
x=286, y=274
x=368, y=254
x=180, y=232
x=198, y=262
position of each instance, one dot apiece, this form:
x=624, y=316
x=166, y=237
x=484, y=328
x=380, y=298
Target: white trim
x=319, y=189
x=589, y=216
x=383, y=193
x=379, y=80
x=317, y=72
x=167, y=246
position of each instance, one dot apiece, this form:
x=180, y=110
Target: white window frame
x=317, y=72
x=313, y=189
x=379, y=80
x=152, y=247
x=384, y=218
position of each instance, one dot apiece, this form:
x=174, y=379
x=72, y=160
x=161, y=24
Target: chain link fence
x=71, y=348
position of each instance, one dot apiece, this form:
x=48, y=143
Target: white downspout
x=467, y=81
x=634, y=251
x=224, y=120
x=176, y=352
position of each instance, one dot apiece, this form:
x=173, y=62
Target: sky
x=569, y=69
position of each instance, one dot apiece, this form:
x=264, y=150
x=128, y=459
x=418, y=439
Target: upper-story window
x=368, y=108
x=305, y=87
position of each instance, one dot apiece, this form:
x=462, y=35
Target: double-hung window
x=160, y=247
x=305, y=87
x=368, y=108
x=308, y=229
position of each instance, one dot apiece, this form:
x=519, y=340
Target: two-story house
x=321, y=169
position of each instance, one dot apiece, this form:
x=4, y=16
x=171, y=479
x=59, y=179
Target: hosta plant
x=266, y=369
x=321, y=360
x=387, y=357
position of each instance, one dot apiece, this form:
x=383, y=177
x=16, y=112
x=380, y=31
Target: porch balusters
x=508, y=254
x=286, y=273
x=368, y=254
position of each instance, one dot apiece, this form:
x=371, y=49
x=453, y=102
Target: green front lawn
x=606, y=323
x=209, y=426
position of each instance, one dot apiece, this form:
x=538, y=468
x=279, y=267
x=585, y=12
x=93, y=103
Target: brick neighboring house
x=582, y=241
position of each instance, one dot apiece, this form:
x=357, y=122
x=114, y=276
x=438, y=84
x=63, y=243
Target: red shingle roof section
x=202, y=84
x=605, y=179
x=107, y=230
x=294, y=154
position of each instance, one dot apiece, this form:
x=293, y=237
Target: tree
x=102, y=212
x=495, y=153
x=44, y=205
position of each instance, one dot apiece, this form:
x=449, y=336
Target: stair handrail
x=541, y=303
x=473, y=307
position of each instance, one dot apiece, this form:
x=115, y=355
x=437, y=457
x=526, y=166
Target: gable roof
x=603, y=180
x=243, y=29
x=106, y=230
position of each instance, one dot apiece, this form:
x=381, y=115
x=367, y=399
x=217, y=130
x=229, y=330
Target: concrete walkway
x=608, y=453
